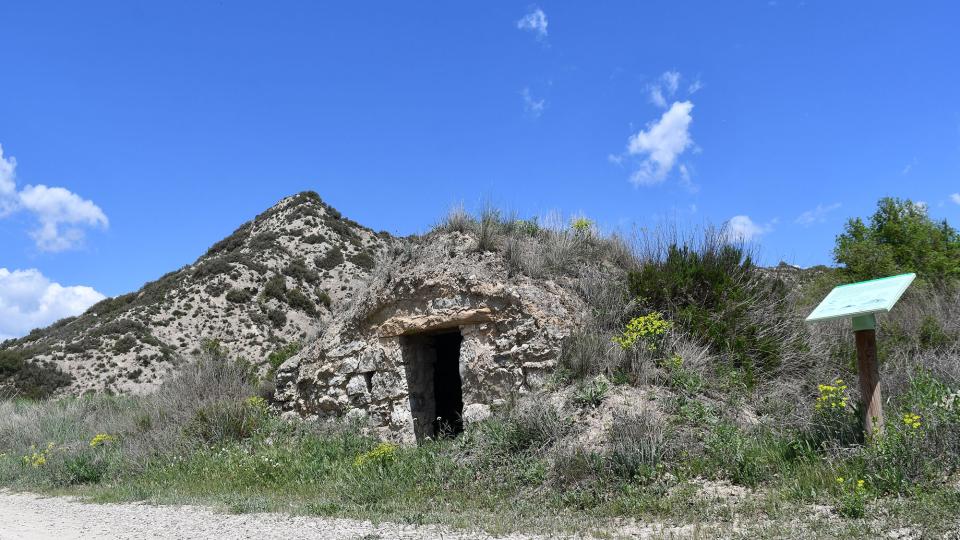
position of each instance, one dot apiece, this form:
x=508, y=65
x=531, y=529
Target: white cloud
x=817, y=215
x=694, y=87
x=665, y=87
x=656, y=96
x=955, y=197
x=686, y=179
x=671, y=79
x=533, y=107
x=61, y=213
x=30, y=300
x=684, y=173
x=743, y=229
x=8, y=184
x=536, y=22
x=661, y=143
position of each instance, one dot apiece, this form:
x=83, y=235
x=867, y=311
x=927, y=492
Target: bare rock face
x=277, y=279
x=442, y=334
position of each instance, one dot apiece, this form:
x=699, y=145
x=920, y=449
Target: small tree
x=900, y=238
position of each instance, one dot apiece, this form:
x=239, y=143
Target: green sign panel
x=864, y=298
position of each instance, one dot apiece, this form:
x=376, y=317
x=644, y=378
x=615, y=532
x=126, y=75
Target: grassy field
x=500, y=476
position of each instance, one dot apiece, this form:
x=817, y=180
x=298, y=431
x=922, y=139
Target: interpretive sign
x=861, y=302
x=874, y=296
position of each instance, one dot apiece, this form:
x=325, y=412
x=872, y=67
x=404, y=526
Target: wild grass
x=203, y=440
x=552, y=246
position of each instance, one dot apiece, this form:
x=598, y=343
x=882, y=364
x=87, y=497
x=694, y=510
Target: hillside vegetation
x=271, y=283
x=694, y=395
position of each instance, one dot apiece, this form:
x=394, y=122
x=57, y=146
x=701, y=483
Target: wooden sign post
x=861, y=302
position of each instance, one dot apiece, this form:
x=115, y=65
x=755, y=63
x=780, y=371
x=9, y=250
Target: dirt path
x=31, y=517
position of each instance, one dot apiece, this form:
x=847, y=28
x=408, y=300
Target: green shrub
x=281, y=355
x=84, y=468
x=120, y=327
x=920, y=442
x=900, y=237
x=300, y=301
x=264, y=240
x=323, y=298
x=30, y=379
x=124, y=344
x=297, y=269
x=223, y=421
x=276, y=288
x=277, y=317
x=217, y=289
x=88, y=343
x=329, y=260
x=232, y=242
x=239, y=296
x=364, y=260
x=714, y=291
x=212, y=267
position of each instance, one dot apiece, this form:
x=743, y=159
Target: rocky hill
x=273, y=282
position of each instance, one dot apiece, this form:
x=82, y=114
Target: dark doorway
x=432, y=363
x=447, y=386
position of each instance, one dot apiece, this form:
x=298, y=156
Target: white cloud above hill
x=61, y=214
x=29, y=300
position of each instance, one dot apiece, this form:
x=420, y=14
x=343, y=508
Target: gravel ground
x=31, y=517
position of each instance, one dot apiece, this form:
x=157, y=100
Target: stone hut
x=443, y=334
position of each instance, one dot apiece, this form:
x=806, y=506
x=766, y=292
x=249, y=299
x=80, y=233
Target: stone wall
x=362, y=365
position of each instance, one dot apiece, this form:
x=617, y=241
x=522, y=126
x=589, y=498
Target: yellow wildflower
x=101, y=439
x=832, y=396
x=382, y=453
x=648, y=328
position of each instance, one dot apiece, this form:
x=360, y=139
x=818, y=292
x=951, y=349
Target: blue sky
x=135, y=135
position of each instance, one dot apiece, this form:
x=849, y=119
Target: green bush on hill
x=715, y=292
x=29, y=379
x=900, y=237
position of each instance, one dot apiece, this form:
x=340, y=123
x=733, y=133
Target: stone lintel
x=416, y=324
